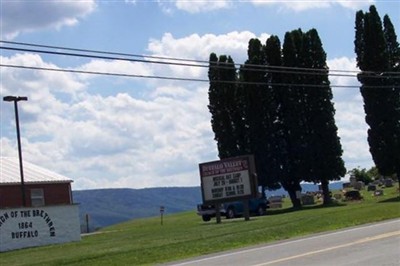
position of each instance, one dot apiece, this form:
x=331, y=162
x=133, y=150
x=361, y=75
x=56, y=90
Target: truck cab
x=257, y=206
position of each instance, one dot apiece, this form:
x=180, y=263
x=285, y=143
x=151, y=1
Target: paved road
x=374, y=244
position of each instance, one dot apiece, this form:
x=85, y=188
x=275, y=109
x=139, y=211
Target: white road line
x=364, y=240
x=285, y=243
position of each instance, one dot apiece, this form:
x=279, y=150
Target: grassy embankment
x=146, y=241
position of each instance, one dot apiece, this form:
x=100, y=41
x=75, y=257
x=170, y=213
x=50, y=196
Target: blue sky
x=109, y=132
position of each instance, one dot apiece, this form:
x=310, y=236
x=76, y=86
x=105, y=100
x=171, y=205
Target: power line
x=192, y=62
x=183, y=62
x=185, y=79
x=99, y=57
x=263, y=69
x=101, y=73
x=102, y=52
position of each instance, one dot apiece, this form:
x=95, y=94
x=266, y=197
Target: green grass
x=146, y=241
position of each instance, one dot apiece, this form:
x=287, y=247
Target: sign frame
x=229, y=179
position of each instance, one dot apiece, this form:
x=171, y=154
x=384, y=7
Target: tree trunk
x=291, y=189
x=325, y=191
x=398, y=179
x=263, y=195
x=293, y=197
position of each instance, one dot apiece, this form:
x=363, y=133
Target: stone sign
x=38, y=226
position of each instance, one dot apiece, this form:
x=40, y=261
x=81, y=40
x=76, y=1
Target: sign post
x=87, y=223
x=218, y=212
x=162, y=213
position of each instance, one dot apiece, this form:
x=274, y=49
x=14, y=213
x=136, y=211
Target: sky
x=131, y=132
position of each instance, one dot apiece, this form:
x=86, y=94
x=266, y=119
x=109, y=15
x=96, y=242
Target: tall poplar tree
x=222, y=76
x=258, y=106
x=324, y=148
x=293, y=117
x=307, y=113
x=377, y=52
x=278, y=153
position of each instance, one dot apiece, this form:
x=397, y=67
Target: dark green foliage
x=392, y=45
x=309, y=130
x=373, y=172
x=293, y=117
x=253, y=97
x=286, y=116
x=375, y=56
x=378, y=58
x=362, y=175
x=277, y=150
x=359, y=38
x=325, y=150
x=223, y=107
x=259, y=113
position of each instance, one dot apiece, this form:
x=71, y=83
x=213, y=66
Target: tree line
x=378, y=52
x=278, y=107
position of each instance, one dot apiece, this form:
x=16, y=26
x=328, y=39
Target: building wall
x=54, y=194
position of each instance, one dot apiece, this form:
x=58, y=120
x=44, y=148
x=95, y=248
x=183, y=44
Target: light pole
x=16, y=99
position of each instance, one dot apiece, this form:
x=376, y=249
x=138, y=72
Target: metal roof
x=10, y=173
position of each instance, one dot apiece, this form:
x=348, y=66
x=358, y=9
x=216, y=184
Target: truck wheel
x=261, y=210
x=230, y=213
x=206, y=218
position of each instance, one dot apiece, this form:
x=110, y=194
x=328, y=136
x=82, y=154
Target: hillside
x=110, y=206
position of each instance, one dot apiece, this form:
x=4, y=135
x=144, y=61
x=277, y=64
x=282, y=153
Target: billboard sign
x=228, y=179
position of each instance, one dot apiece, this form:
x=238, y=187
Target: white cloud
x=350, y=116
x=27, y=16
x=343, y=72
x=39, y=86
x=133, y=2
x=294, y=5
x=172, y=91
x=202, y=6
x=116, y=66
x=122, y=140
x=302, y=5
x=355, y=5
x=193, y=7
x=199, y=47
x=119, y=140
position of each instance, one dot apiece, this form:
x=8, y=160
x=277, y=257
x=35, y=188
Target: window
x=37, y=197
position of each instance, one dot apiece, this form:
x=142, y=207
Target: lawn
x=184, y=235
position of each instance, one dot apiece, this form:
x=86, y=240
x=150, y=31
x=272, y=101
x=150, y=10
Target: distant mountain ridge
x=110, y=206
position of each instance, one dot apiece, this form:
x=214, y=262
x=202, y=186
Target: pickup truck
x=257, y=206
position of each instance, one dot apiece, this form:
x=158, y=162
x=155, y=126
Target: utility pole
x=16, y=99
